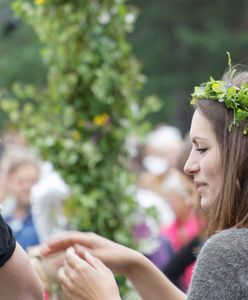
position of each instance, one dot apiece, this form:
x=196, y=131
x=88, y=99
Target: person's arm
x=150, y=282
x=147, y=279
x=18, y=281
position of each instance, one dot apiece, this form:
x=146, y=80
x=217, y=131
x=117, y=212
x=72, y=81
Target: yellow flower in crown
x=40, y=2
x=216, y=86
x=219, y=87
x=101, y=120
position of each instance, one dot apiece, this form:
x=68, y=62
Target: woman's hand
x=87, y=278
x=118, y=258
x=147, y=279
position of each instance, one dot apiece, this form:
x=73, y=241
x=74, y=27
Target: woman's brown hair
x=230, y=208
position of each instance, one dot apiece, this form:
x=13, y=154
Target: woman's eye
x=201, y=150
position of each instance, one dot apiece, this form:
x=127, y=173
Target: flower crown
x=235, y=98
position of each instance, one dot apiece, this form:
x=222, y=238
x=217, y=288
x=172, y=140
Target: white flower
x=130, y=18
x=104, y=18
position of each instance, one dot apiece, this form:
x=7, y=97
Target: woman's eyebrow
x=197, y=139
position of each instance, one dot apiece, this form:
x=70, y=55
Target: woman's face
x=204, y=162
x=21, y=182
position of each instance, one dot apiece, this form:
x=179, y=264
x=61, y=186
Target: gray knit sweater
x=221, y=271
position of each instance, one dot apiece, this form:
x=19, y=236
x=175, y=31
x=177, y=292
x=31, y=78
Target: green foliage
x=234, y=98
x=91, y=103
x=19, y=51
x=181, y=43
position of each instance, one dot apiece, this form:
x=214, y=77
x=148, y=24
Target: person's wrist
x=135, y=261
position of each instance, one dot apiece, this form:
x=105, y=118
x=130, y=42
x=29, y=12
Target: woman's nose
x=191, y=166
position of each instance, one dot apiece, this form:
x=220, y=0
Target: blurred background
x=179, y=43
x=94, y=116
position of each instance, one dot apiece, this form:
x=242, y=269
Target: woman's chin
x=205, y=203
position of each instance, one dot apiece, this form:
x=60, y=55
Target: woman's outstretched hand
x=118, y=258
x=86, y=278
x=80, y=266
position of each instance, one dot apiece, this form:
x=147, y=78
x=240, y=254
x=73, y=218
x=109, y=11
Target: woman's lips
x=200, y=186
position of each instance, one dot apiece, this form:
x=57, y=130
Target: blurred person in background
x=181, y=195
x=159, y=153
x=179, y=268
x=47, y=195
x=8, y=140
x=162, y=148
x=21, y=170
x=152, y=157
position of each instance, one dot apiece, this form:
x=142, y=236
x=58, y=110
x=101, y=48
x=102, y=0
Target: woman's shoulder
x=222, y=258
x=227, y=245
x=230, y=238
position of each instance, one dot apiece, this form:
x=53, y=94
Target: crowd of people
x=196, y=243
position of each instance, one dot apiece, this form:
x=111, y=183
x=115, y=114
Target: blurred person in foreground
x=18, y=280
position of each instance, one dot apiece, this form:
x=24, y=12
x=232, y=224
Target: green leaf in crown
x=233, y=97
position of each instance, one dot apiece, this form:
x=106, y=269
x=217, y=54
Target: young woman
x=219, y=164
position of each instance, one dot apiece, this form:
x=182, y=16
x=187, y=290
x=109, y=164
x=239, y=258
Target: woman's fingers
x=85, y=259
x=86, y=278
x=80, y=250
x=113, y=255
x=66, y=284
x=65, y=240
x=94, y=262
x=61, y=275
x=72, y=259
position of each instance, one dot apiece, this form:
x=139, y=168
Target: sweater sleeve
x=221, y=268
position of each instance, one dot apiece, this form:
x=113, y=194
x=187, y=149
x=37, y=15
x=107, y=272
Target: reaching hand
x=87, y=278
x=117, y=257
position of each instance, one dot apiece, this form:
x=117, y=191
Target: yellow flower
x=40, y=2
x=101, y=120
x=76, y=135
x=216, y=87
x=219, y=87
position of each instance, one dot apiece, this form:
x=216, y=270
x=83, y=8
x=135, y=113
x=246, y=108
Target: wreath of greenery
x=235, y=98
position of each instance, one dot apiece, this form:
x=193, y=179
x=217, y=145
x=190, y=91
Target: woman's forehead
x=201, y=128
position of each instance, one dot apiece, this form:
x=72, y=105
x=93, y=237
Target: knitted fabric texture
x=221, y=270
